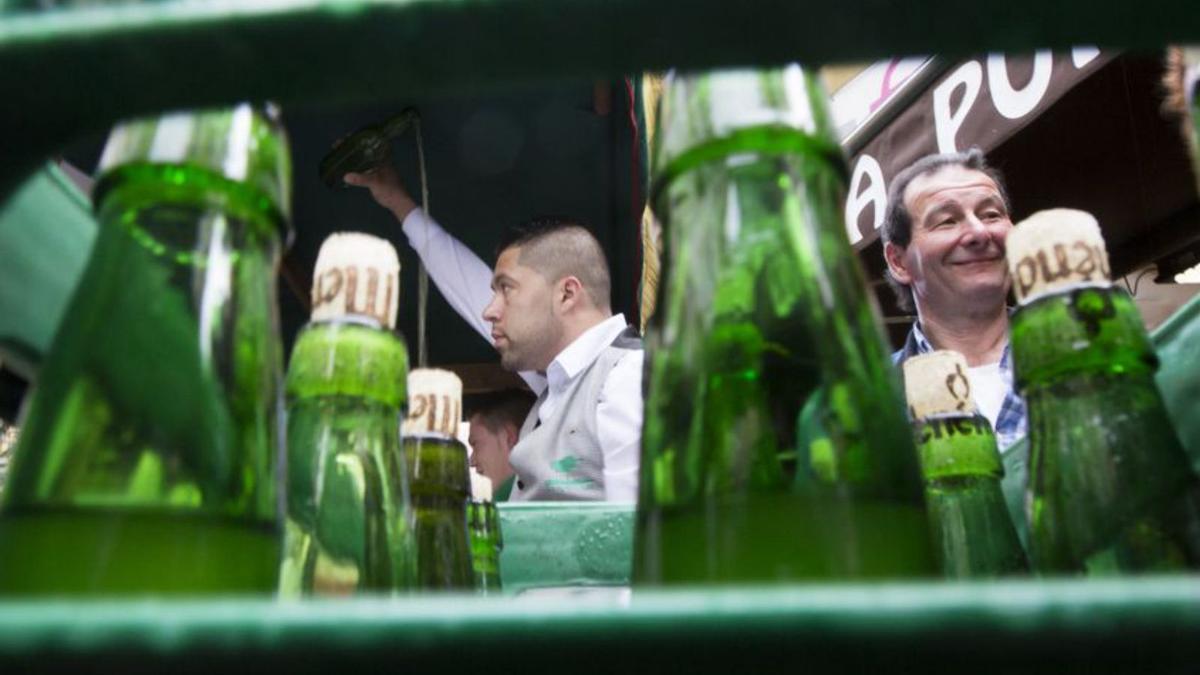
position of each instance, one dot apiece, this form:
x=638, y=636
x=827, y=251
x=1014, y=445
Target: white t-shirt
x=988, y=388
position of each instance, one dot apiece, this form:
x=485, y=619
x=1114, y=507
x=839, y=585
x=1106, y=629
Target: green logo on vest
x=566, y=464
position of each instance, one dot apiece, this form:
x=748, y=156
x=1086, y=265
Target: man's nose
x=974, y=231
x=491, y=313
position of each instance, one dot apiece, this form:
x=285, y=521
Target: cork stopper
x=356, y=274
x=481, y=487
x=937, y=384
x=434, y=402
x=1054, y=250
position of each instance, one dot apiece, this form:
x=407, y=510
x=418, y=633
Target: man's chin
x=511, y=363
x=987, y=294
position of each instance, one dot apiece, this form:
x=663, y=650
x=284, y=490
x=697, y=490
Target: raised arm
x=462, y=278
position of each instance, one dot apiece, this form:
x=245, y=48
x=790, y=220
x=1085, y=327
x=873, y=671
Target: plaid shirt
x=1012, y=421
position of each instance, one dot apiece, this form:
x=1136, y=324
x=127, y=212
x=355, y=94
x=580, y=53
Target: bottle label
x=949, y=426
x=1054, y=251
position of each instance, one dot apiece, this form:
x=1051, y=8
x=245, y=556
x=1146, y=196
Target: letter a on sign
x=858, y=199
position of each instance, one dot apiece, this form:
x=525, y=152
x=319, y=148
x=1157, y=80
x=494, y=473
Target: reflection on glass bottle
x=437, y=469
x=972, y=529
x=349, y=525
x=147, y=459
x=1110, y=488
x=8, y=438
x=486, y=542
x=763, y=309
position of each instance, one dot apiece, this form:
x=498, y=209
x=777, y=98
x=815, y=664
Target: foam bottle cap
x=356, y=274
x=936, y=383
x=1055, y=250
x=481, y=487
x=434, y=402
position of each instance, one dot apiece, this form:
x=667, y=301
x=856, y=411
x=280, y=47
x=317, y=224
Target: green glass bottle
x=350, y=520
x=764, y=308
x=972, y=530
x=1110, y=488
x=437, y=469
x=483, y=519
x=365, y=149
x=147, y=459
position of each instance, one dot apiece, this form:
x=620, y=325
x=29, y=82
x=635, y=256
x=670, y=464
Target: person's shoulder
x=624, y=366
x=628, y=340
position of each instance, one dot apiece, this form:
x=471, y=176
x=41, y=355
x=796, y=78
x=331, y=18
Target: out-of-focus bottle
x=147, y=462
x=1110, y=488
x=441, y=488
x=763, y=308
x=973, y=532
x=350, y=518
x=483, y=520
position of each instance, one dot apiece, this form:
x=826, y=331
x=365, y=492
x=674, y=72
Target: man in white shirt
x=546, y=309
x=944, y=233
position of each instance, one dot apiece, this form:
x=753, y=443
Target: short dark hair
x=499, y=408
x=558, y=246
x=897, y=221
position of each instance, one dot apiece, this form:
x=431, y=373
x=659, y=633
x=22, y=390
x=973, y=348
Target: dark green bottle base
x=112, y=552
x=783, y=538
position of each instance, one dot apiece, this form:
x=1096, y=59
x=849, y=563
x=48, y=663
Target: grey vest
x=561, y=459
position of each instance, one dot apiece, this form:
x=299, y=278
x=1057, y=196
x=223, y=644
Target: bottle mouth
x=431, y=436
x=239, y=152
x=363, y=320
x=738, y=144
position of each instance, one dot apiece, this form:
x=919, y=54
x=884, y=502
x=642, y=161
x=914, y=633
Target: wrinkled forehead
x=948, y=184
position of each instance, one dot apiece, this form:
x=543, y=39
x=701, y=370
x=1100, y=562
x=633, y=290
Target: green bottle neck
x=1080, y=332
x=484, y=521
x=956, y=447
x=349, y=358
x=437, y=469
x=240, y=152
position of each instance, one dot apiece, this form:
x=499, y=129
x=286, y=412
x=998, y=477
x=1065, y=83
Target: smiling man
x=944, y=232
x=547, y=311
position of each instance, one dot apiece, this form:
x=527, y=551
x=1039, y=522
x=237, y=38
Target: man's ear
x=894, y=255
x=570, y=292
x=511, y=435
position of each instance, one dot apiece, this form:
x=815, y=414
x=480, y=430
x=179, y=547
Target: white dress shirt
x=619, y=412
x=465, y=282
